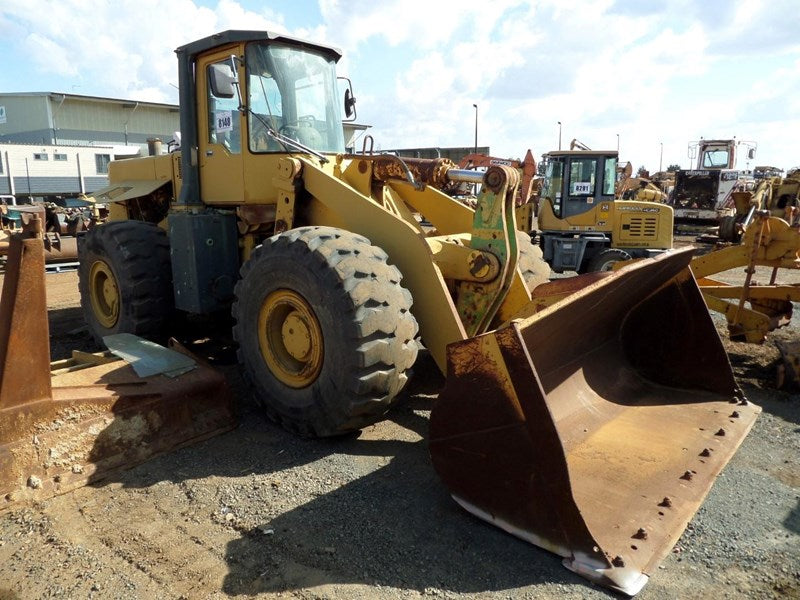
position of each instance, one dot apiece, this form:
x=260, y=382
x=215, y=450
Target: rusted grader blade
x=91, y=415
x=594, y=428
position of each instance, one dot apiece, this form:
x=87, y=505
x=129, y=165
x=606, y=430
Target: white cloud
x=602, y=69
x=652, y=72
x=123, y=48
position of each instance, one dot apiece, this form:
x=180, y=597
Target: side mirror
x=751, y=153
x=221, y=79
x=349, y=104
x=349, y=100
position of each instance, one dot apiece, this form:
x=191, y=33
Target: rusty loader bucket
x=596, y=427
x=84, y=418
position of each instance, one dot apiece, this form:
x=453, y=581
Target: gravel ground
x=258, y=512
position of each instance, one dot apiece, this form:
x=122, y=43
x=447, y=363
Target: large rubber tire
x=534, y=268
x=604, y=261
x=727, y=229
x=325, y=332
x=125, y=280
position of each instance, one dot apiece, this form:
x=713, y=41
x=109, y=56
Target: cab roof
x=582, y=153
x=234, y=36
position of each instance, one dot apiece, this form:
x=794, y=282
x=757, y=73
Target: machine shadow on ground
x=395, y=525
x=401, y=530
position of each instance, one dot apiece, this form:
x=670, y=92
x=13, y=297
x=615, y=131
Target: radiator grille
x=640, y=227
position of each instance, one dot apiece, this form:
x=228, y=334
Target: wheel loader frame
x=537, y=367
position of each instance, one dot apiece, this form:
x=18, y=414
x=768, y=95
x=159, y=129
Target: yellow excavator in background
x=583, y=226
x=593, y=427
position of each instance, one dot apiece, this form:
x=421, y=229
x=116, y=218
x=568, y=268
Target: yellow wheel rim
x=104, y=294
x=290, y=338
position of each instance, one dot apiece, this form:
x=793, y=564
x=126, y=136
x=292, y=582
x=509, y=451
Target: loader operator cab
x=290, y=91
x=247, y=100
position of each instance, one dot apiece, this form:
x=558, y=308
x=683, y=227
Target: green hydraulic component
x=493, y=237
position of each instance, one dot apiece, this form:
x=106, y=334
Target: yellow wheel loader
x=593, y=427
x=583, y=227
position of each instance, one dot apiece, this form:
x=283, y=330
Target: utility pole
x=559, y=135
x=476, y=128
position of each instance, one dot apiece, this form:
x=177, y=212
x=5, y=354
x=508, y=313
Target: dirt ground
x=257, y=512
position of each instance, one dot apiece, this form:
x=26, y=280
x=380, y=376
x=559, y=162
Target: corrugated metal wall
x=81, y=120
x=138, y=120
x=25, y=115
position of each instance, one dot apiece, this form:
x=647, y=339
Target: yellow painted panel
x=406, y=247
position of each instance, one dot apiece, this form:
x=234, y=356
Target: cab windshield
x=292, y=91
x=715, y=158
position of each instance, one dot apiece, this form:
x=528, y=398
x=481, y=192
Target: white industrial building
x=54, y=144
x=43, y=171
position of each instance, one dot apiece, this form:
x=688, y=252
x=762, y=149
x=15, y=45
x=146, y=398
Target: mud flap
x=91, y=416
x=596, y=427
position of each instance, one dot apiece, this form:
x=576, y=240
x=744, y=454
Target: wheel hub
x=104, y=294
x=290, y=338
x=296, y=336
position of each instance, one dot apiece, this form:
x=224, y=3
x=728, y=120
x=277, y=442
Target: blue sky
x=658, y=74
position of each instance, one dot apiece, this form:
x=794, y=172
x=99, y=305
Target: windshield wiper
x=284, y=140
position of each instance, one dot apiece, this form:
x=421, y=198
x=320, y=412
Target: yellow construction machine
x=779, y=196
x=752, y=310
x=763, y=233
x=593, y=427
x=583, y=226
x=767, y=242
x=637, y=188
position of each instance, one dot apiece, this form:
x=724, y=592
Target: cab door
x=220, y=126
x=581, y=184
